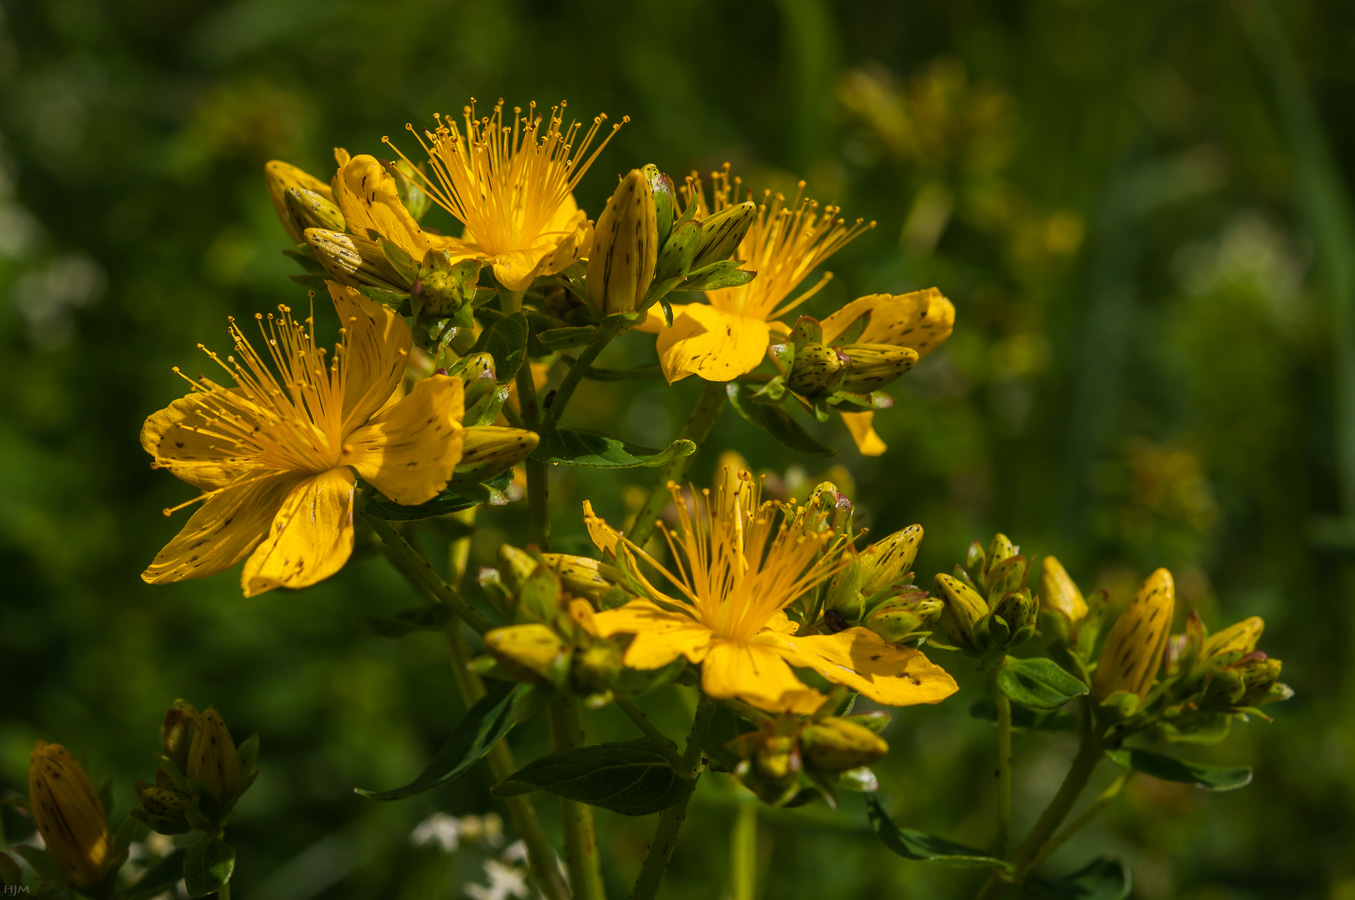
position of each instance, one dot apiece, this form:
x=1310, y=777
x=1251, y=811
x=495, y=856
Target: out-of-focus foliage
x=1141, y=375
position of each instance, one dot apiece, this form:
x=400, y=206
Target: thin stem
x=420, y=574
x=1004, y=771
x=581, y=836
x=744, y=849
x=1089, y=754
x=697, y=429
x=661, y=743
x=1091, y=812
x=224, y=893
x=538, y=483
x=570, y=382
x=670, y=820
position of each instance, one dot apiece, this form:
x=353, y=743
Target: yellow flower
x=275, y=455
x=739, y=563
x=512, y=186
x=918, y=321
x=68, y=814
x=366, y=194
x=729, y=337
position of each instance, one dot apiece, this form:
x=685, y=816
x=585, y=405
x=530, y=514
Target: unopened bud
x=353, y=260
x=722, y=233
x=817, y=370
x=1057, y=591
x=1017, y=610
x=581, y=576
x=874, y=366
x=444, y=285
x=165, y=802
x=595, y=668
x=477, y=376
x=176, y=734
x=68, y=814
x=487, y=450
x=1133, y=651
x=665, y=200
x=675, y=258
x=836, y=745
x=625, y=248
x=409, y=186
x=964, y=608
x=212, y=758
x=515, y=567
x=532, y=653
x=280, y=176
x=901, y=617
x=1239, y=639
x=889, y=561
x=307, y=209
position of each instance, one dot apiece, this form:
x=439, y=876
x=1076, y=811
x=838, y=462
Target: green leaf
x=454, y=498
x=633, y=779
x=40, y=861
x=1169, y=768
x=393, y=299
x=639, y=373
x=1038, y=683
x=506, y=341
x=566, y=338
x=160, y=878
x=1101, y=879
x=485, y=723
x=775, y=421
x=431, y=617
x=927, y=847
x=571, y=447
x=207, y=866
x=716, y=729
x=1025, y=719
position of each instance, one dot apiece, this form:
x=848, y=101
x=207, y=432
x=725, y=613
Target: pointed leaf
x=207, y=866
x=1038, y=683
x=506, y=341
x=1169, y=768
x=566, y=338
x=485, y=723
x=454, y=498
x=571, y=447
x=927, y=847
x=1025, y=719
x=1101, y=879
x=633, y=779
x=160, y=878
x=775, y=421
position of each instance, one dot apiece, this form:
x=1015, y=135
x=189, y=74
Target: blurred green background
x=1139, y=210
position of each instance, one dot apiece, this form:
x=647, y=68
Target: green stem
x=1004, y=771
x=225, y=892
x=670, y=820
x=570, y=383
x=1089, y=754
x=1091, y=812
x=697, y=429
x=415, y=568
x=661, y=742
x=581, y=836
x=744, y=849
x=538, y=483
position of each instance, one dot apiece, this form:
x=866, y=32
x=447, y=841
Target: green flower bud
x=771, y=766
x=1259, y=674
x=515, y=567
x=487, y=450
x=1133, y=651
x=409, y=186
x=1057, y=591
x=595, y=668
x=1232, y=642
x=176, y=734
x=817, y=370
x=901, y=617
x=889, y=561
x=1018, y=610
x=964, y=609
x=665, y=201
x=443, y=285
x=353, y=260
x=625, y=249
x=836, y=745
x=675, y=259
x=722, y=233
x=874, y=366
x=281, y=176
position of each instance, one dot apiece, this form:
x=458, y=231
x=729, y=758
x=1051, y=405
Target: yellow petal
x=367, y=196
x=604, y=536
x=863, y=661
x=716, y=345
x=920, y=320
x=654, y=322
x=222, y=531
x=756, y=674
x=409, y=450
x=861, y=426
x=182, y=439
x=781, y=623
x=311, y=536
x=660, y=636
x=377, y=343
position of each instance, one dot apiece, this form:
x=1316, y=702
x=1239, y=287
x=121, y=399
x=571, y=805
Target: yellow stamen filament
x=786, y=242
x=506, y=183
x=738, y=561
